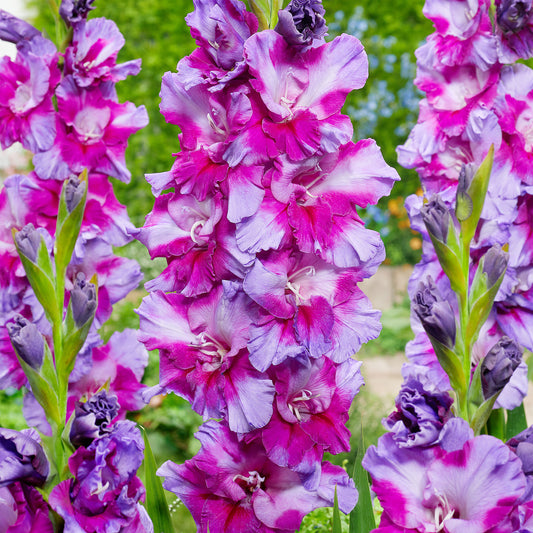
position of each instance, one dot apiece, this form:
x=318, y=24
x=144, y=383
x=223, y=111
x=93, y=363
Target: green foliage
x=156, y=504
x=11, y=410
x=516, y=421
x=362, y=517
x=395, y=334
x=337, y=523
x=320, y=521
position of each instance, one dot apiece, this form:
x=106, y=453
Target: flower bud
x=302, y=21
x=92, y=418
x=436, y=314
x=513, y=15
x=498, y=366
x=28, y=240
x=83, y=300
x=27, y=341
x=436, y=217
x=466, y=175
x=494, y=264
x=74, y=191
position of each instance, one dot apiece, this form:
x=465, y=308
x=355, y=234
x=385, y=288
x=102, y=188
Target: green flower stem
x=54, y=6
x=63, y=35
x=57, y=329
x=266, y=12
x=60, y=454
x=463, y=344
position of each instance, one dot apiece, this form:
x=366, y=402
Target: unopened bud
x=436, y=217
x=27, y=341
x=436, y=314
x=28, y=240
x=494, y=264
x=513, y=15
x=498, y=366
x=83, y=300
x=74, y=191
x=466, y=175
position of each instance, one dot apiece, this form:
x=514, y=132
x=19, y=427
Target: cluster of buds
x=258, y=313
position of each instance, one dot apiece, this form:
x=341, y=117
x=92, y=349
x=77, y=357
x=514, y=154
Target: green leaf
x=44, y=392
x=73, y=340
x=482, y=413
x=156, y=504
x=451, y=364
x=477, y=192
x=362, y=516
x=266, y=12
x=496, y=424
x=475, y=390
x=48, y=370
x=516, y=421
x=42, y=280
x=451, y=265
x=337, y=524
x=481, y=307
x=479, y=283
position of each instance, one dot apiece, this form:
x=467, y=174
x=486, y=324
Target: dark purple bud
x=513, y=15
x=498, y=366
x=302, y=22
x=83, y=300
x=15, y=30
x=494, y=264
x=92, y=418
x=27, y=341
x=21, y=458
x=72, y=11
x=466, y=175
x=436, y=314
x=436, y=217
x=28, y=240
x=74, y=191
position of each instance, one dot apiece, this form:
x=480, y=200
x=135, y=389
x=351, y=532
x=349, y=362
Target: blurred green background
x=385, y=109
